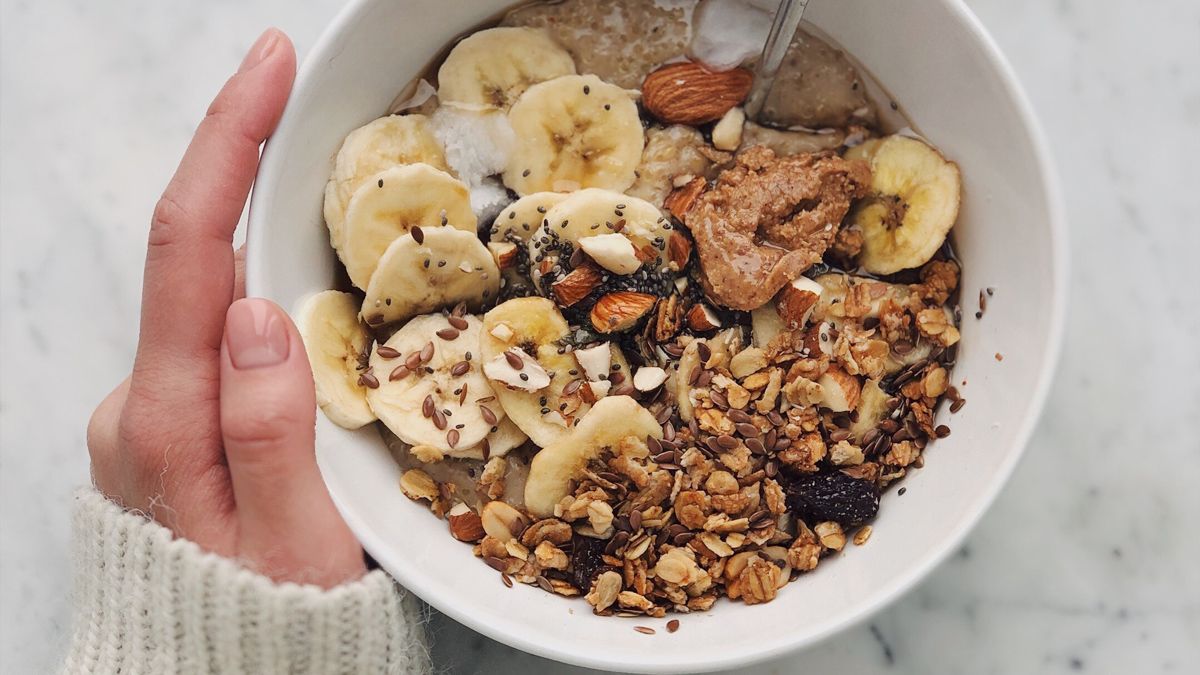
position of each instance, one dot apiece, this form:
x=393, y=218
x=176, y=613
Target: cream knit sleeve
x=146, y=602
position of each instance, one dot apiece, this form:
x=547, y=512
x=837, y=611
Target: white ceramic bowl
x=939, y=63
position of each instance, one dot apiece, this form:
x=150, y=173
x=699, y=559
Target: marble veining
x=1088, y=560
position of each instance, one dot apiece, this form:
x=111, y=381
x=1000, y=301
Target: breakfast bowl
x=937, y=66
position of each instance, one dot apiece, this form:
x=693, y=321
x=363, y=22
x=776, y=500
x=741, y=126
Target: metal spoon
x=787, y=19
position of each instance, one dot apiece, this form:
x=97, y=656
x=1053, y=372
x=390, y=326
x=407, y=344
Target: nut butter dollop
x=768, y=219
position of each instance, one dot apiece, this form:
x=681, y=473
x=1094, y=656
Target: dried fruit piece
x=587, y=561
x=833, y=496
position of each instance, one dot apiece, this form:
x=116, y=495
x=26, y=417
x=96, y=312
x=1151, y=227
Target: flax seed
x=487, y=415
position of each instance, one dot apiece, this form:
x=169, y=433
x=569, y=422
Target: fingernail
x=256, y=334
x=262, y=48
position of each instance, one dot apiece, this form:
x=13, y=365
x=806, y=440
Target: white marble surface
x=1089, y=561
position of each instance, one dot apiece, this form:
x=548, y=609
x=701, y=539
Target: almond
x=840, y=391
x=796, y=301
x=667, y=319
x=647, y=378
x=502, y=521
x=818, y=339
x=679, y=250
x=689, y=93
x=619, y=311
x=702, y=319
x=576, y=285
x=504, y=253
x=594, y=391
x=682, y=198
x=595, y=360
x=466, y=525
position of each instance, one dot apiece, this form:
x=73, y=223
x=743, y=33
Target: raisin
x=833, y=496
x=586, y=561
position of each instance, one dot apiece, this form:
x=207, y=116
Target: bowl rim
x=268, y=176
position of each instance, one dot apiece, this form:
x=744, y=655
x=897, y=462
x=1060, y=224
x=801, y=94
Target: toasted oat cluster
x=631, y=345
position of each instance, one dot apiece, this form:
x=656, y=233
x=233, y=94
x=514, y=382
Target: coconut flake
x=477, y=143
x=420, y=95
x=728, y=33
x=488, y=199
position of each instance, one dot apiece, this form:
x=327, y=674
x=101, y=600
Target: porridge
x=630, y=345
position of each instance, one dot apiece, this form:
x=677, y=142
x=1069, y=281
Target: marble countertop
x=1089, y=560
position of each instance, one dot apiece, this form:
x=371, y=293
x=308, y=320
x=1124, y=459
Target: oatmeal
x=634, y=348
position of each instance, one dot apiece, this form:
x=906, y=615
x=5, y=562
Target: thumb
x=288, y=526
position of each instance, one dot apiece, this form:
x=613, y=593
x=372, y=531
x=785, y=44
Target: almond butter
x=689, y=93
x=702, y=319
x=619, y=311
x=466, y=526
x=682, y=198
x=679, y=250
x=576, y=285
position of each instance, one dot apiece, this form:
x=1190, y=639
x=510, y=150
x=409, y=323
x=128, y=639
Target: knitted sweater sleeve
x=146, y=602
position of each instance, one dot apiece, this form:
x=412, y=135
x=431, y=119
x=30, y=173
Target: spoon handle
x=787, y=19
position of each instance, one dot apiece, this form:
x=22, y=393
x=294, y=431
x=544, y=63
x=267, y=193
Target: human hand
x=212, y=433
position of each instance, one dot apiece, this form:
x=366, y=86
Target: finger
x=102, y=439
x=287, y=524
x=189, y=262
x=239, y=273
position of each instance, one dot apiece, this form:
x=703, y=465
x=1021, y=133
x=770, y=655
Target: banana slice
x=594, y=214
x=720, y=347
x=836, y=287
x=871, y=409
x=533, y=329
x=389, y=204
x=447, y=266
x=524, y=217
x=377, y=146
x=916, y=193
x=574, y=131
x=491, y=68
x=335, y=342
x=766, y=324
x=610, y=421
x=500, y=442
x=422, y=400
